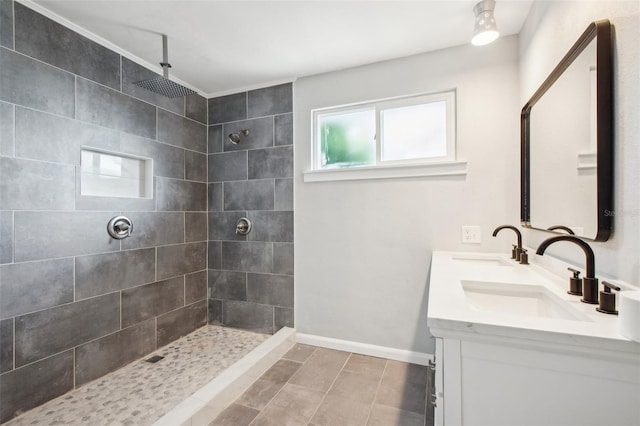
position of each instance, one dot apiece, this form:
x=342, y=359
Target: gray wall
x=74, y=303
x=251, y=278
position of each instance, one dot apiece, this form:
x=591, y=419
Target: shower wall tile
x=228, y=108
x=105, y=273
x=6, y=125
x=269, y=289
x=249, y=195
x=181, y=259
x=29, y=287
x=181, y=322
x=214, y=139
x=48, y=137
x=151, y=300
x=196, y=108
x=106, y=107
x=270, y=100
x=179, y=195
x=283, y=258
x=6, y=237
x=282, y=317
x=6, y=345
x=32, y=385
x=27, y=82
x=50, y=42
x=168, y=161
x=260, y=134
x=228, y=285
x=44, y=333
x=39, y=235
x=195, y=227
x=222, y=226
x=214, y=252
x=228, y=166
x=154, y=229
x=271, y=163
x=132, y=72
x=116, y=350
x=284, y=194
x=283, y=129
x=272, y=226
x=195, y=287
x=246, y=256
x=195, y=165
x=89, y=202
x=214, y=311
x=6, y=24
x=179, y=131
x=215, y=197
x=248, y=316
x=35, y=185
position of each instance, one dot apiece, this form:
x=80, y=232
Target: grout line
x=13, y=320
x=13, y=23
x=375, y=396
x=330, y=387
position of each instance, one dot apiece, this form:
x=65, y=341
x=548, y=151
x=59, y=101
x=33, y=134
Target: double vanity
x=512, y=347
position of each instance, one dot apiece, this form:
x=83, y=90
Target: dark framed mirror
x=567, y=142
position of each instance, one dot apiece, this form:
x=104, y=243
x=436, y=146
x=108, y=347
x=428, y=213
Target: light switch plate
x=471, y=235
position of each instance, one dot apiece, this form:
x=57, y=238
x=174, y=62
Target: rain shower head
x=161, y=84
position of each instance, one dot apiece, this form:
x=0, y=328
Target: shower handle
x=120, y=227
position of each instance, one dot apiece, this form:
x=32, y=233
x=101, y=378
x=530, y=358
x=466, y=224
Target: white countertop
x=451, y=312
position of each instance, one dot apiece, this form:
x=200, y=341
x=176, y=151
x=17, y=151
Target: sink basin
x=477, y=259
x=518, y=299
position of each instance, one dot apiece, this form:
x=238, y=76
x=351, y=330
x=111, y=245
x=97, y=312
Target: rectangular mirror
x=567, y=143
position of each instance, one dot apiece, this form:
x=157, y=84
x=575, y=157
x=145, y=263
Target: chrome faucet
x=517, y=250
x=589, y=282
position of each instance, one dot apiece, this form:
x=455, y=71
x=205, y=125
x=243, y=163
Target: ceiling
x=221, y=47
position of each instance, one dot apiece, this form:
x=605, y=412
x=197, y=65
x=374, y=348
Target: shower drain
x=154, y=359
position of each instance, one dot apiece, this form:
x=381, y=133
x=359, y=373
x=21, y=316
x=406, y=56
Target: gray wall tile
x=178, y=195
x=228, y=285
x=105, y=273
x=245, y=256
x=270, y=100
x=214, y=255
x=6, y=344
x=283, y=129
x=248, y=316
x=6, y=23
x=55, y=44
x=38, y=235
x=195, y=287
x=283, y=258
x=116, y=350
x=214, y=311
x=34, y=185
x=151, y=300
x=271, y=163
x=222, y=226
x=6, y=237
x=228, y=166
x=154, y=229
x=249, y=195
x=196, y=108
x=35, y=384
x=47, y=332
x=168, y=161
x=47, y=137
x=215, y=197
x=282, y=317
x=176, y=130
x=100, y=105
x=6, y=123
x=132, y=72
x=228, y=108
x=195, y=165
x=214, y=139
x=270, y=289
x=181, y=259
x=181, y=322
x=90, y=202
x=28, y=287
x=195, y=225
x=284, y=194
x=271, y=226
x=260, y=134
x=25, y=81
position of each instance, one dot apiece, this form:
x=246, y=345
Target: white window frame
x=427, y=166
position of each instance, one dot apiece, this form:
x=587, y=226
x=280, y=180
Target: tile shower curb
x=205, y=404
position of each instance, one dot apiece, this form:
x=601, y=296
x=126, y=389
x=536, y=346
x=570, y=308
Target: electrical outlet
x=471, y=235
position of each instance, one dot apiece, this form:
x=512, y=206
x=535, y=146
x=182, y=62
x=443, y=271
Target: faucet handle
x=608, y=287
x=576, y=273
x=524, y=257
x=607, y=303
x=514, y=252
x=575, y=284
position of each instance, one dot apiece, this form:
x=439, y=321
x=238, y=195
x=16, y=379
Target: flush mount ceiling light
x=485, y=30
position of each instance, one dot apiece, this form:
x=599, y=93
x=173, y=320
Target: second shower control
x=243, y=226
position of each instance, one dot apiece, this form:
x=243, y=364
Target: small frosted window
x=115, y=175
x=348, y=139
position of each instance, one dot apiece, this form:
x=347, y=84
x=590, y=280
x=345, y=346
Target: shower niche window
x=109, y=174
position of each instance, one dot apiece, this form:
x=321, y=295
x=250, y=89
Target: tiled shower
x=76, y=304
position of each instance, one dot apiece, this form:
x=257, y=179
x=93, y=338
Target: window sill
x=449, y=168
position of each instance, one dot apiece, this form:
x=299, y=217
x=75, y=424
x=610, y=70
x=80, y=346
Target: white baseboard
x=412, y=357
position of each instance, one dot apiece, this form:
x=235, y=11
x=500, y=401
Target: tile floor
x=323, y=387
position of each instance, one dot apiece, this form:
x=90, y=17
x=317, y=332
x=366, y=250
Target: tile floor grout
x=375, y=396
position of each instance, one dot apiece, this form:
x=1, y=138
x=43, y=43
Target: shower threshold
x=197, y=378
